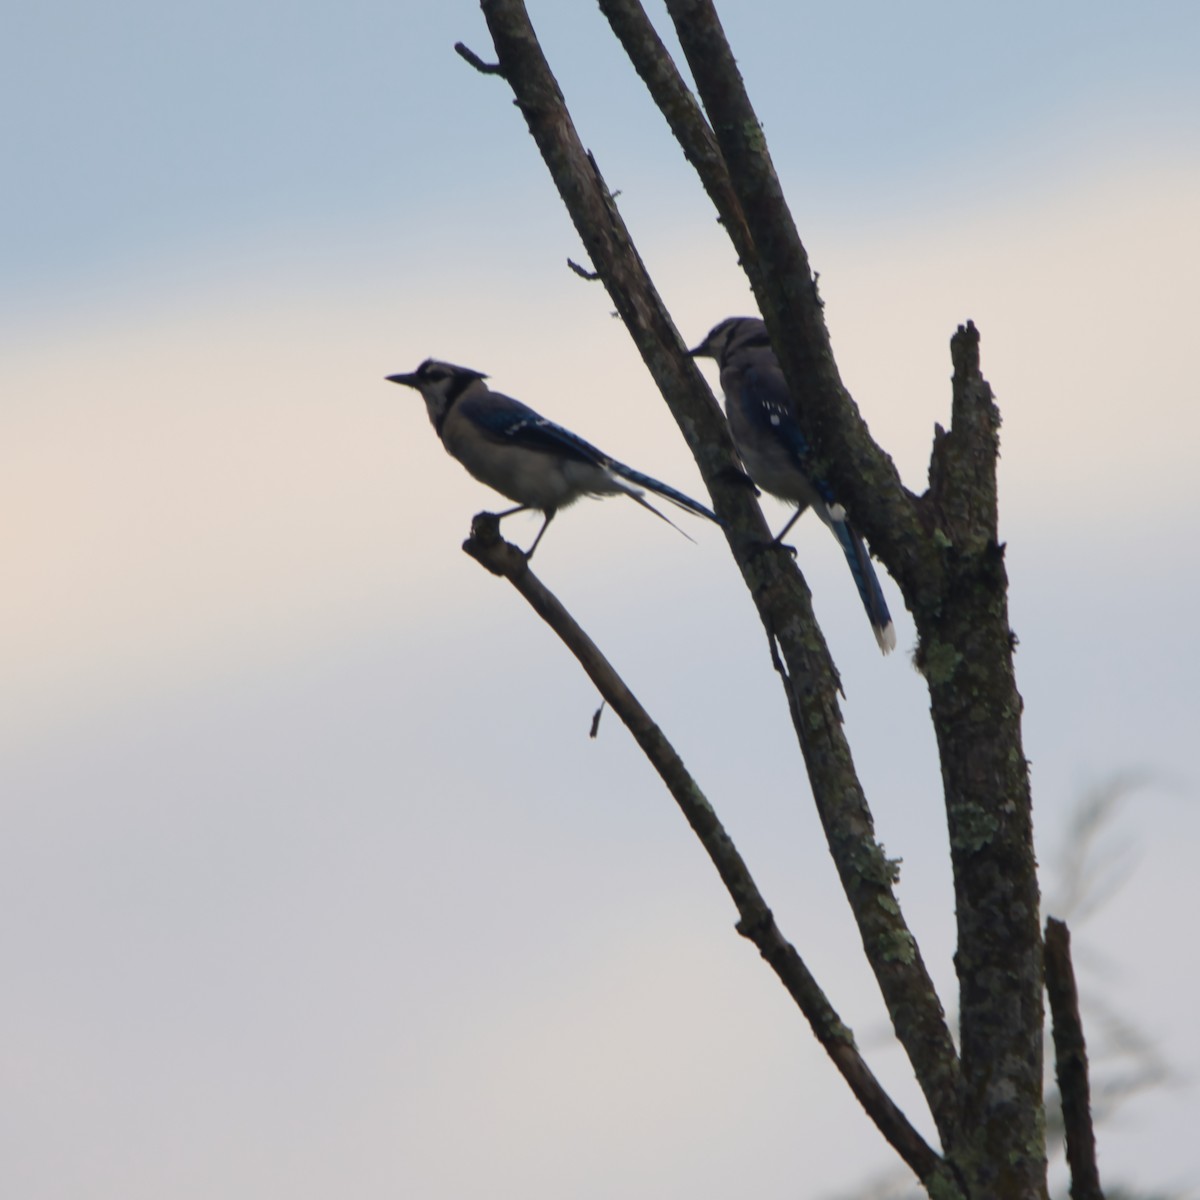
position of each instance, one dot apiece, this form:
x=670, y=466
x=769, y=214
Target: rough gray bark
x=942, y=548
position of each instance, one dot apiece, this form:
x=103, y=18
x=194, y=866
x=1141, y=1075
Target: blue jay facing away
x=506, y=445
x=767, y=434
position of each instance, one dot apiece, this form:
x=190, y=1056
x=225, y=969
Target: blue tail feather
x=867, y=583
x=661, y=489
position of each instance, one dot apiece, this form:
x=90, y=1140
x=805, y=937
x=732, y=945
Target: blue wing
x=780, y=460
x=515, y=424
x=768, y=408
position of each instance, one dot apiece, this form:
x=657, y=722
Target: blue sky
x=310, y=878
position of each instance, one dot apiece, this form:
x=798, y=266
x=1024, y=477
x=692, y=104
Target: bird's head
x=730, y=335
x=440, y=384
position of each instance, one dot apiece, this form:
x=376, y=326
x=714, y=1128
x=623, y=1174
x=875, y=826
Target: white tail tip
x=886, y=637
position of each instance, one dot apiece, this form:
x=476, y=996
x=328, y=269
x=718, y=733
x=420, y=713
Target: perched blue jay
x=767, y=434
x=506, y=445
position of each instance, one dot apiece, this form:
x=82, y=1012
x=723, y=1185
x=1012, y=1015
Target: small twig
x=596, y=720
x=756, y=921
x=484, y=68
x=583, y=272
x=1070, y=1064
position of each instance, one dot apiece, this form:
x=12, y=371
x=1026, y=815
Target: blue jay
x=766, y=431
x=506, y=445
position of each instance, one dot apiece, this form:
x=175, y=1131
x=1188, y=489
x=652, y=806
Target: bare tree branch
x=775, y=584
x=756, y=921
x=1071, y=1066
x=674, y=99
x=860, y=472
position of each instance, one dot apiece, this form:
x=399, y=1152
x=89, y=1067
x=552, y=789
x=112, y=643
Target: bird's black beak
x=409, y=380
x=698, y=352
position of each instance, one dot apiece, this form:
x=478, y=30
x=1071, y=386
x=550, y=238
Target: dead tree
x=942, y=550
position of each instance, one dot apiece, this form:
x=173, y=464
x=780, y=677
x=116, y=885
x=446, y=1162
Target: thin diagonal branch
x=785, y=288
x=691, y=130
x=756, y=921
x=1070, y=1064
x=776, y=586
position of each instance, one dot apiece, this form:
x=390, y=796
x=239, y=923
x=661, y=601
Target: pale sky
x=311, y=881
